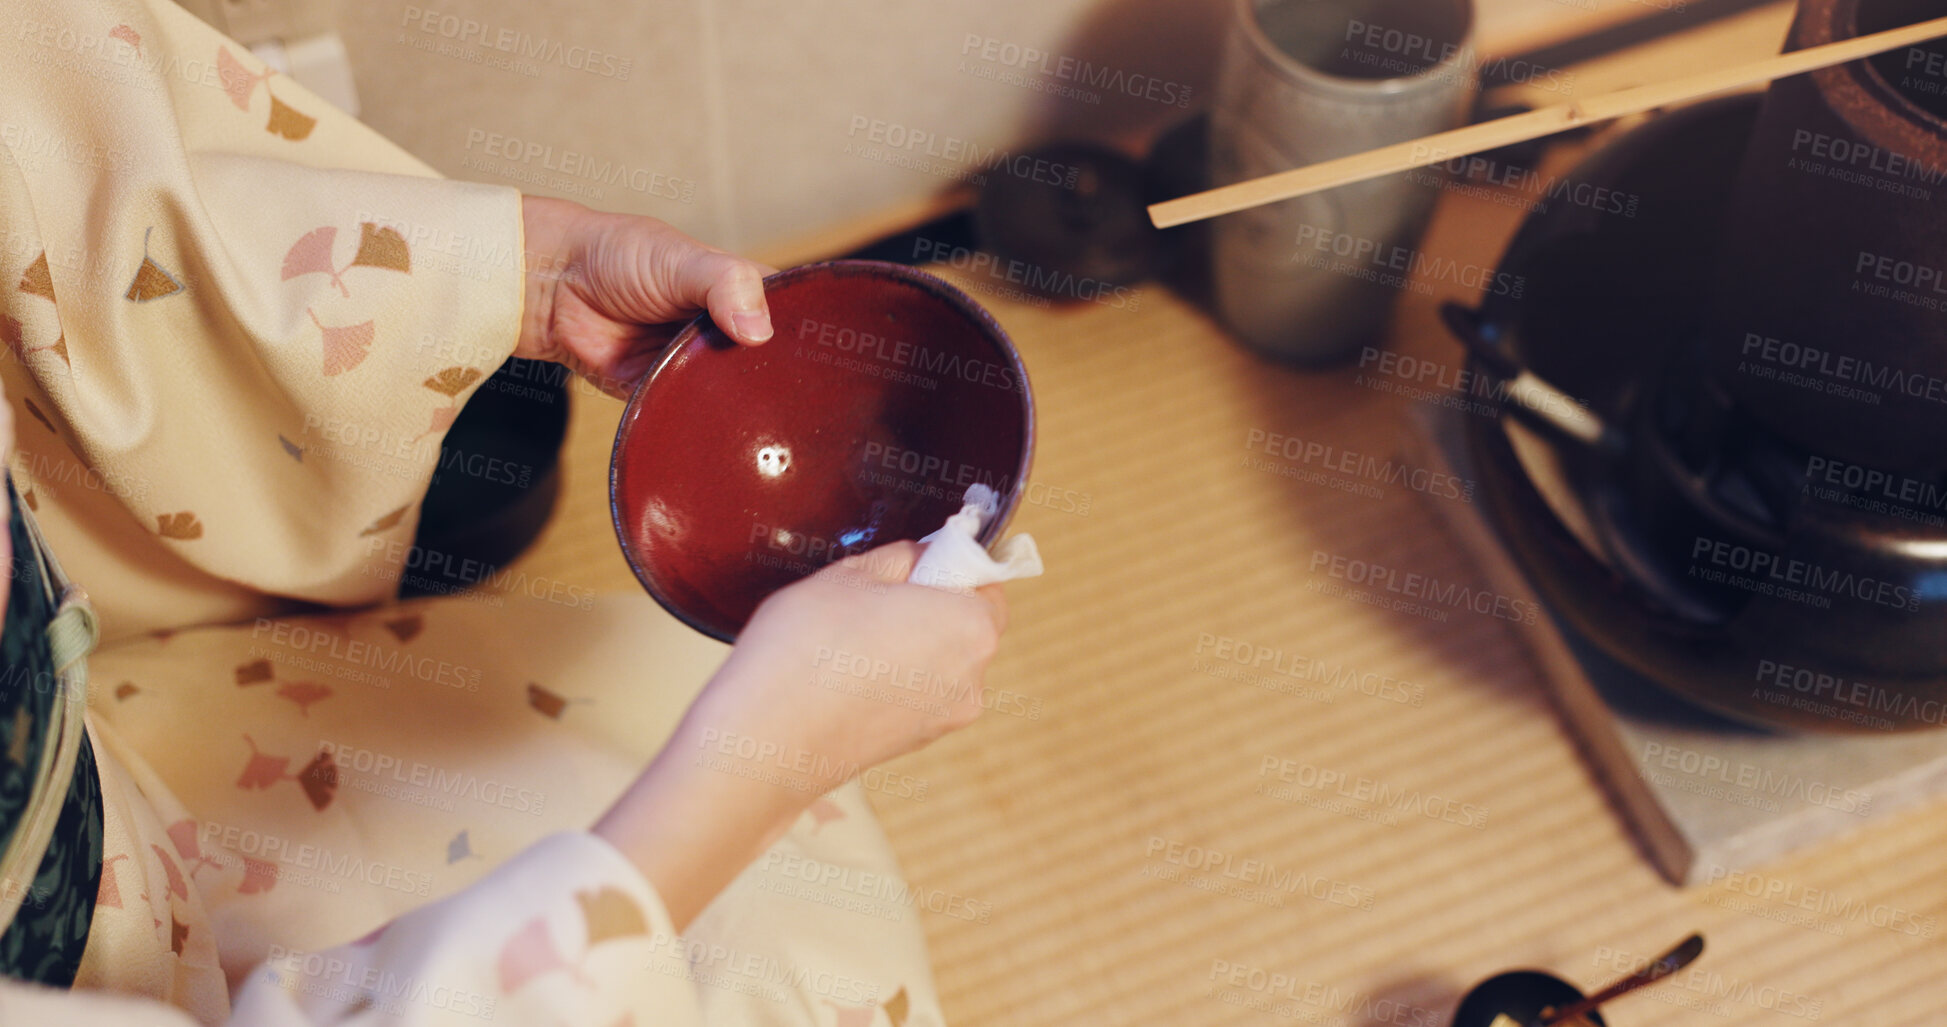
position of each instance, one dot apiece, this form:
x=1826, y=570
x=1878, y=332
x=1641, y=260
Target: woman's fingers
x=891, y=563
x=732, y=289
x=996, y=605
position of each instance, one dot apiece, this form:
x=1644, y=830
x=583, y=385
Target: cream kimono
x=237, y=324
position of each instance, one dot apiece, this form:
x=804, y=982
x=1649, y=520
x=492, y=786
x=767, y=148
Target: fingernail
x=752, y=325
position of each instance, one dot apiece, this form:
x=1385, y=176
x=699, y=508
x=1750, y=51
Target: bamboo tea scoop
x=1520, y=128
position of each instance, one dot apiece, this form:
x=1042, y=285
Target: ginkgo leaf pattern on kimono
x=607, y=913
x=378, y=247
x=110, y=894
x=182, y=834
x=259, y=876
x=295, y=451
x=256, y=672
x=125, y=689
x=304, y=693
x=823, y=811
x=178, y=885
x=15, y=336
x=406, y=628
x=382, y=247
x=311, y=254
x=263, y=770
x=37, y=281
x=453, y=381
x=127, y=35
x=449, y=383
x=386, y=523
x=288, y=121
x=318, y=779
x=241, y=85
x=178, y=935
x=461, y=847
x=345, y=346
x=851, y=1016
x=545, y=702
x=237, y=80
x=184, y=527
x=610, y=913
x=529, y=954
x=443, y=418
x=152, y=281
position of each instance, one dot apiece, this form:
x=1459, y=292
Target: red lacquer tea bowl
x=885, y=393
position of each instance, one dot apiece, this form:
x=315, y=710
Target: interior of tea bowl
x=883, y=396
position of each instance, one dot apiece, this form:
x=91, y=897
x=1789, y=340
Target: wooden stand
x=1707, y=797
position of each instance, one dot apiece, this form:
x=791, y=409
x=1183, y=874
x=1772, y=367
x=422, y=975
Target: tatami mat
x=1069, y=813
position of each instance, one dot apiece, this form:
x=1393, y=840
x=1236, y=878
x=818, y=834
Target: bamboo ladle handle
x=1544, y=121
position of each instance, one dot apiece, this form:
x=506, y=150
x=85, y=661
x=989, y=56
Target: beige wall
x=747, y=107
x=735, y=116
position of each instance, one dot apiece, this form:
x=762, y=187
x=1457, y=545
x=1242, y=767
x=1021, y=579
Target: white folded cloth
x=955, y=561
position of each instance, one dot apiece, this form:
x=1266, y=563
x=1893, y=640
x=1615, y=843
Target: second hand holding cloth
x=955, y=561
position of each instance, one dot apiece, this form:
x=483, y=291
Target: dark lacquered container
x=1844, y=626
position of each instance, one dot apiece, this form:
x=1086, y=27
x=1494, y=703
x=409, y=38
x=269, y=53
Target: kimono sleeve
x=238, y=323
